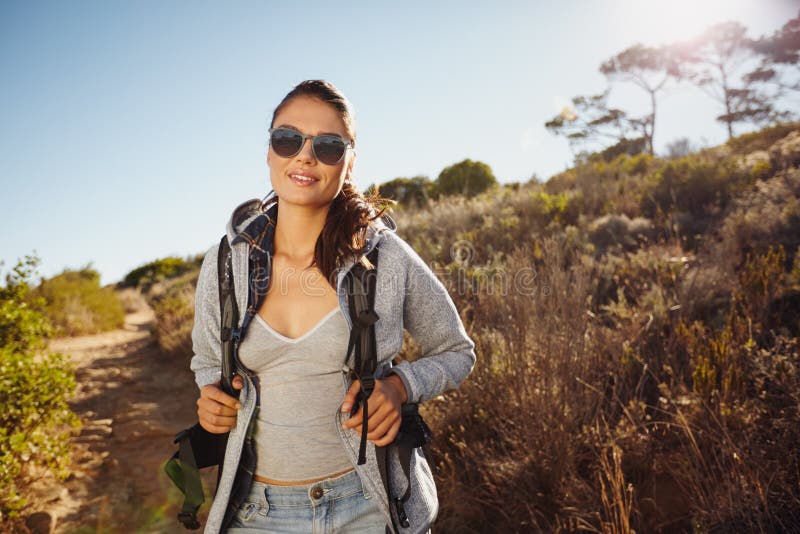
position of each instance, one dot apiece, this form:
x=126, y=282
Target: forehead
x=311, y=116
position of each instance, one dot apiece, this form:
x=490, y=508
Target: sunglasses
x=328, y=149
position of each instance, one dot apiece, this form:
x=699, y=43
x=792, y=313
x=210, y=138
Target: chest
x=297, y=299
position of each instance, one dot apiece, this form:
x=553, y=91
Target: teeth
x=302, y=178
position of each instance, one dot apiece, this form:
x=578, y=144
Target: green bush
x=159, y=270
x=35, y=422
x=76, y=304
x=467, y=178
x=22, y=324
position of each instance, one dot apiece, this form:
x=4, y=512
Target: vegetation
x=167, y=285
x=409, y=191
x=638, y=337
x=174, y=311
x=466, y=178
x=35, y=422
x=159, y=270
x=77, y=305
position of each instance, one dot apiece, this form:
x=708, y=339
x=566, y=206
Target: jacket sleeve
x=206, y=343
x=430, y=316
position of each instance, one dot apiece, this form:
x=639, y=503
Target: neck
x=296, y=231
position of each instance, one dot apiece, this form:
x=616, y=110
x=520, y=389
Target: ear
x=351, y=164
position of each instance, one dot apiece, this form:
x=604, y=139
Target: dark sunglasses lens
x=329, y=149
x=285, y=142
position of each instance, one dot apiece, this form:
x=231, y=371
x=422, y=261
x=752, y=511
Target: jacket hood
x=250, y=218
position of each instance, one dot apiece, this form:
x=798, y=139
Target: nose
x=306, y=151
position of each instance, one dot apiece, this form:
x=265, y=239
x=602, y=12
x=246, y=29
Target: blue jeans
x=331, y=505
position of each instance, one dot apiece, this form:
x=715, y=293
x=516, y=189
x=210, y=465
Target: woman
x=291, y=461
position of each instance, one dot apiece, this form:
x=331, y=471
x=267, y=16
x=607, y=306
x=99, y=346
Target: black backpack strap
x=361, y=298
x=229, y=314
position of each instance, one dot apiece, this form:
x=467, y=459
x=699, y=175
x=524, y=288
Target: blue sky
x=130, y=130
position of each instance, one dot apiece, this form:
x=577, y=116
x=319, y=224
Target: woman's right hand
x=217, y=410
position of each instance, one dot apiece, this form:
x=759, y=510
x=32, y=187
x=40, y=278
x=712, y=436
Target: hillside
x=637, y=324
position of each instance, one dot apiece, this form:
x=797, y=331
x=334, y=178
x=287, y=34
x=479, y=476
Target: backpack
x=198, y=448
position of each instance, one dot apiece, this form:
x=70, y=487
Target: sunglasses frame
x=313, y=138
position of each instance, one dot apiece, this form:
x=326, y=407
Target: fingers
x=213, y=392
x=382, y=426
x=350, y=396
x=216, y=411
x=384, y=421
x=389, y=436
x=212, y=407
x=238, y=382
x=217, y=429
x=384, y=405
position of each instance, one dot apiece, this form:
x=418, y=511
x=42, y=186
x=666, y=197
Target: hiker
x=295, y=459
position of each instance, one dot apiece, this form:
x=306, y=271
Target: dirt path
x=132, y=400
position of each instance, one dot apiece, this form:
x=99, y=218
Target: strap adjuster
x=367, y=384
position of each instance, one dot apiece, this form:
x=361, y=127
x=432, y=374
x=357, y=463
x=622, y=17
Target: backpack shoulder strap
x=229, y=313
x=361, y=284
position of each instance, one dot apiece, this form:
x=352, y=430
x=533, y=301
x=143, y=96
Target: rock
x=40, y=523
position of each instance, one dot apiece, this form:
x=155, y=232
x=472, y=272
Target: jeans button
x=316, y=492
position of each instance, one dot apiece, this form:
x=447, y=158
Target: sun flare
x=668, y=22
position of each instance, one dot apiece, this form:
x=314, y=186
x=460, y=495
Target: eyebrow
x=298, y=130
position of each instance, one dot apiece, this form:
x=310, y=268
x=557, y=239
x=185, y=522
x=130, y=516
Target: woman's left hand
x=384, y=404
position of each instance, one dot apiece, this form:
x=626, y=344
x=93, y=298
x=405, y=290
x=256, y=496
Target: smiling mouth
x=302, y=180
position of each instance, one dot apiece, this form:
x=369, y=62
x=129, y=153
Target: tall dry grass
x=645, y=385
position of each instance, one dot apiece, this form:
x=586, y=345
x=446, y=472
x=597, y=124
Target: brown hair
x=351, y=211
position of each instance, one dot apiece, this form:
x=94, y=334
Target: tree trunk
x=652, y=132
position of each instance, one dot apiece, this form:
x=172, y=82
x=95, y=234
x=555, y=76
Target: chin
x=304, y=198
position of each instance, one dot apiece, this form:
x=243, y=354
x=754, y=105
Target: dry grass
x=645, y=385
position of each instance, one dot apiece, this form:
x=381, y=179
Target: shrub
x=174, y=313
x=77, y=305
x=769, y=214
x=691, y=185
x=35, y=422
x=407, y=191
x=159, y=270
x=619, y=231
x=467, y=178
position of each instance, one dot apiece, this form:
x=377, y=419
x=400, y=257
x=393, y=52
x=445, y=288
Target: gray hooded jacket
x=408, y=296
